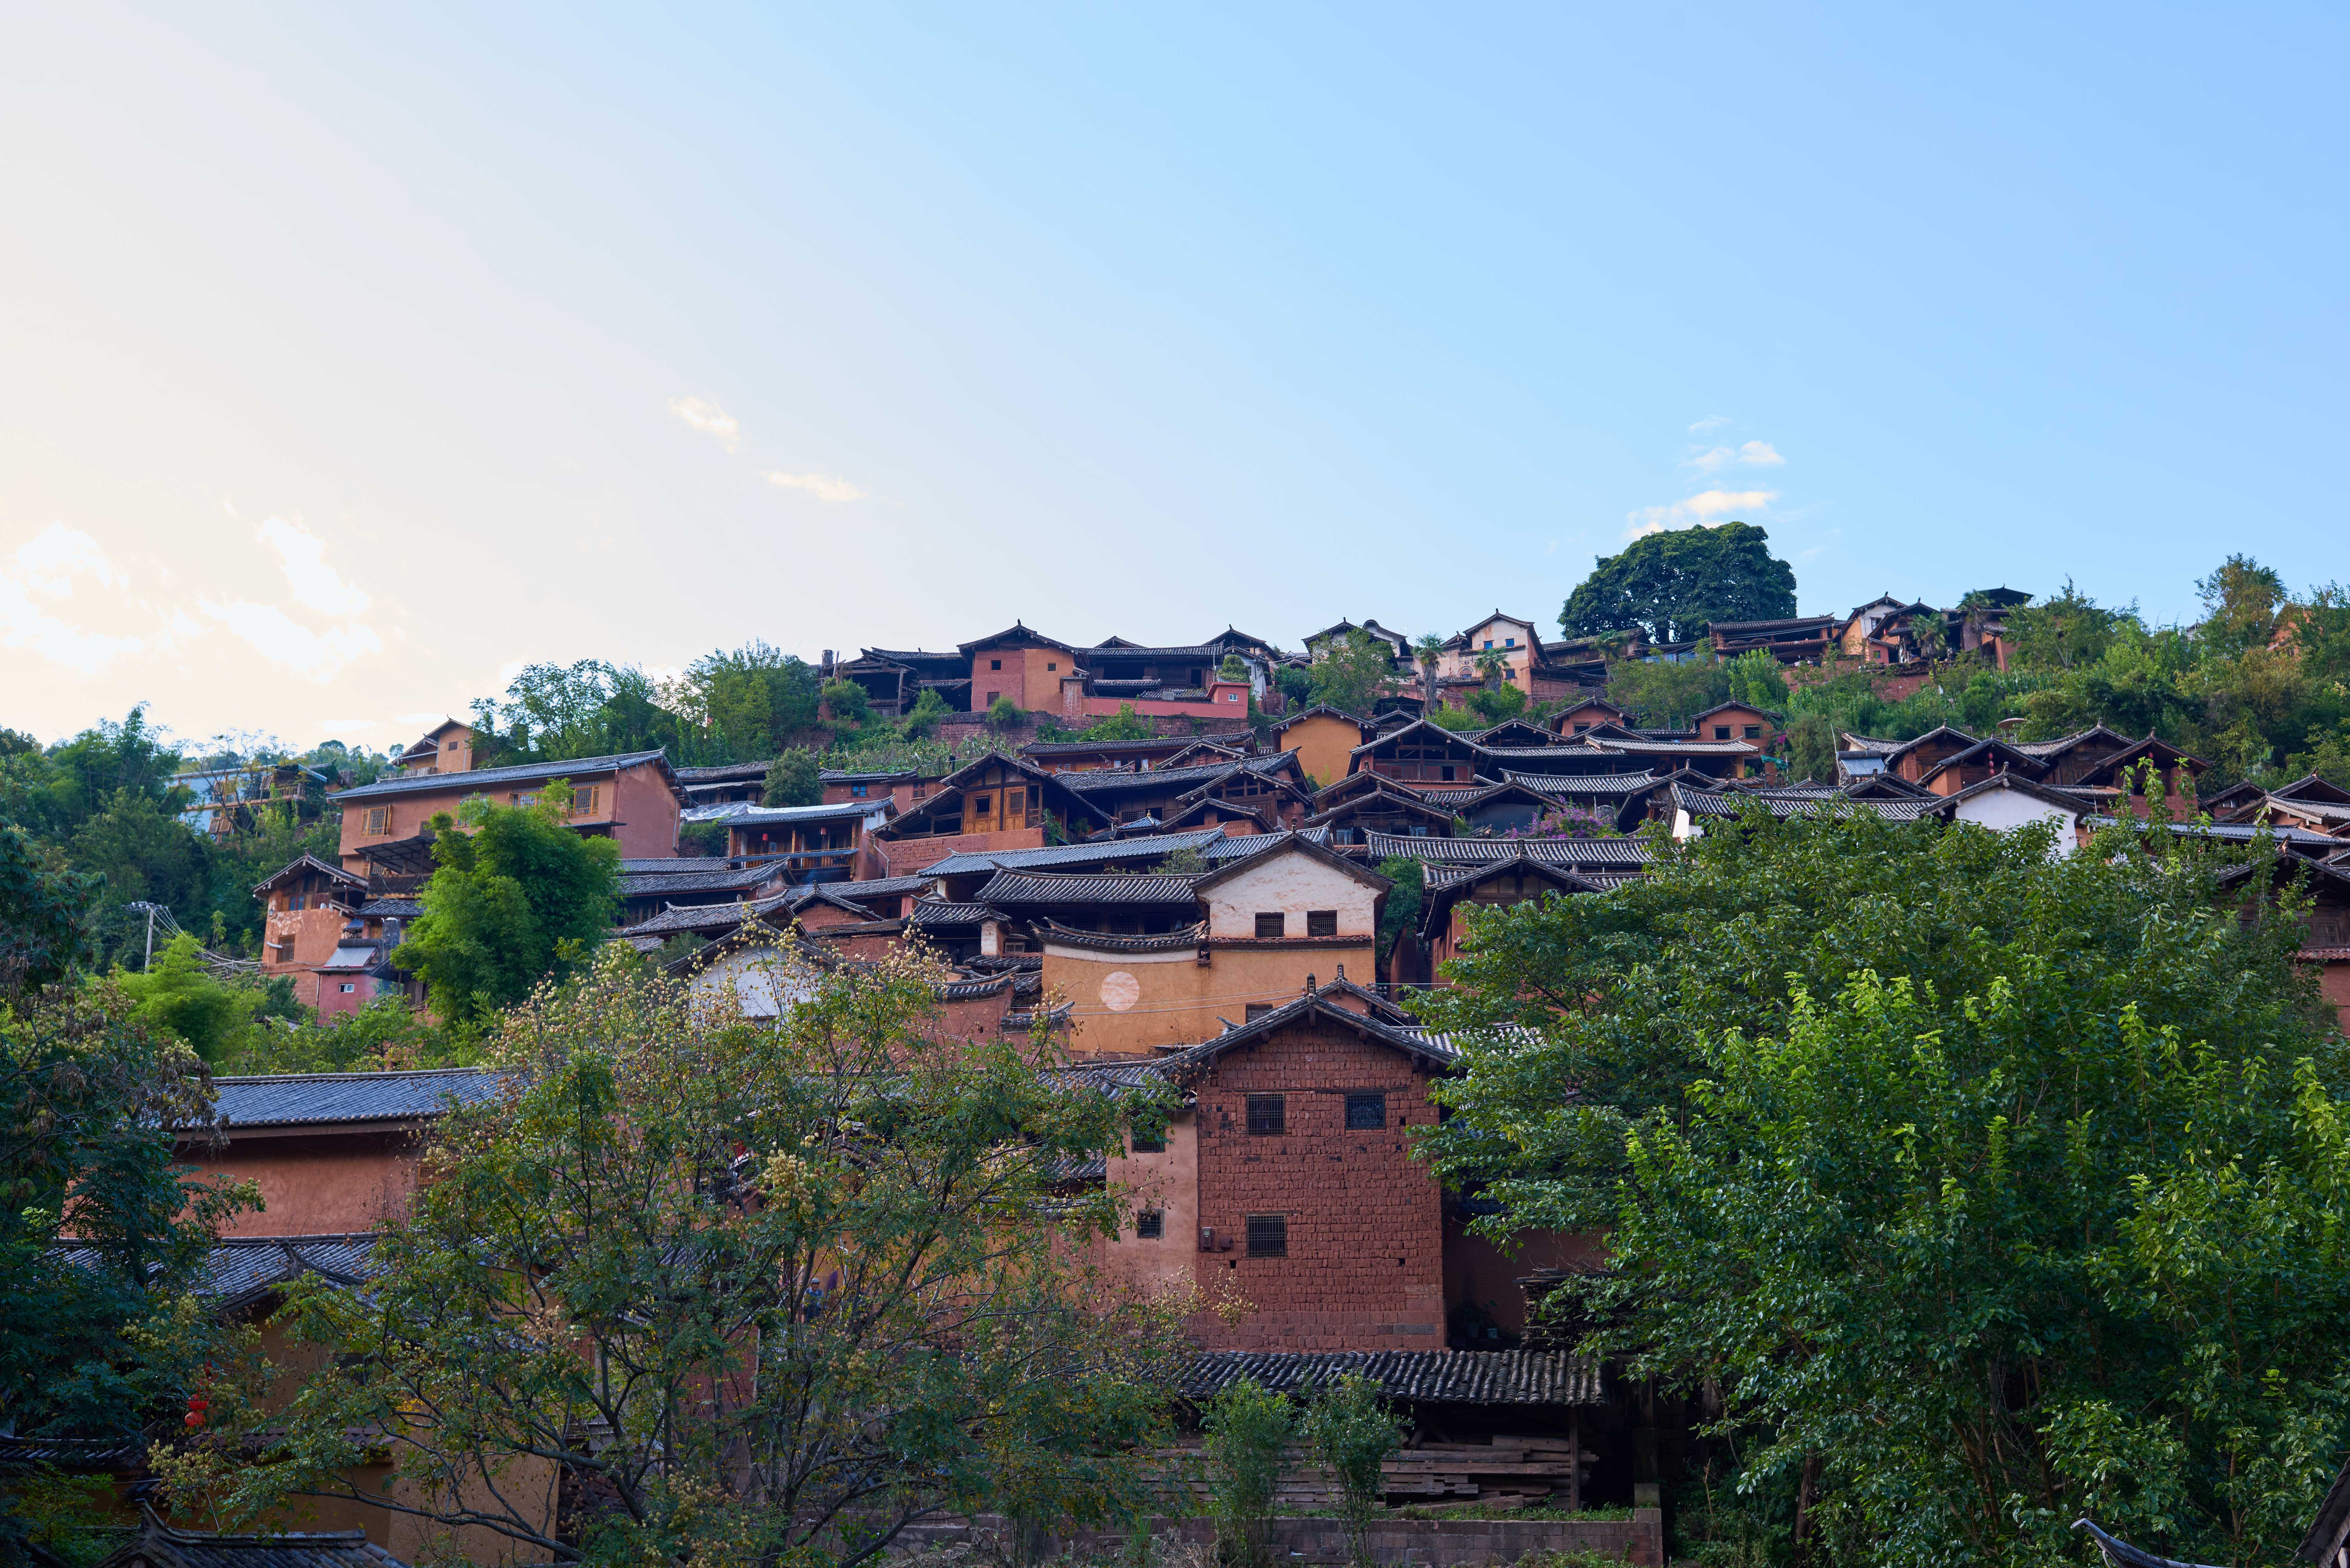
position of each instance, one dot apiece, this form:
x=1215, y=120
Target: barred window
x=1255, y=1011
x=1267, y=1114
x=1268, y=1235
x=1321, y=922
x=1272, y=927
x=1149, y=1225
x=1149, y=1140
x=1366, y=1112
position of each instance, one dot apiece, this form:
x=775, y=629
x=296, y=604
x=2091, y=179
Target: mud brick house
x=306, y=904
x=1287, y=1181
x=1264, y=793
x=634, y=798
x=1164, y=751
x=447, y=748
x=1800, y=640
x=2309, y=803
x=996, y=803
x=1587, y=714
x=722, y=785
x=814, y=843
x=1324, y=739
x=895, y=679
x=2097, y=764
x=815, y=907
x=1147, y=961
x=2008, y=801
x=1421, y=754
x=1452, y=892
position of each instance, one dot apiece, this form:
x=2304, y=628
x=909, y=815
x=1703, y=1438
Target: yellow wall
x=1127, y=1004
x=1323, y=744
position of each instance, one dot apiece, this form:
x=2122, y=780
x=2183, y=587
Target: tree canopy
x=764, y=1292
x=1674, y=584
x=517, y=897
x=1985, y=1187
x=1353, y=672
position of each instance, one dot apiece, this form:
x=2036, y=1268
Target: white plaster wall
x=761, y=982
x=2005, y=810
x=1293, y=882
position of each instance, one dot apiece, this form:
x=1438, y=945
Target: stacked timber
x=1510, y=1471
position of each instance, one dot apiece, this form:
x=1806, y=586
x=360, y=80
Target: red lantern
x=194, y=1419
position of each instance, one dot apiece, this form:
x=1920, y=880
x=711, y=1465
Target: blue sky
x=355, y=357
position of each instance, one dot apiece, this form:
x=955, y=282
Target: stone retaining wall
x=1424, y=1543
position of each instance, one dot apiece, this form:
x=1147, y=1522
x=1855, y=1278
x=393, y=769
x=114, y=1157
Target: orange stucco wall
x=315, y=1185
x=1031, y=677
x=906, y=856
x=1323, y=744
x=1177, y=1000
x=638, y=805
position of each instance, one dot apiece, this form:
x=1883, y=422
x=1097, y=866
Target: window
x=1267, y=1114
x=979, y=804
x=1448, y=772
x=1489, y=642
x=1366, y=1112
x=295, y=902
x=588, y=802
x=992, y=696
x=1506, y=642
x=1721, y=732
x=379, y=821
x=1580, y=728
x=1149, y=1225
x=1753, y=732
x=1268, y=1235
x=995, y=664
x=1272, y=927
x=1256, y=1010
x=1321, y=922
x=525, y=797
x=1051, y=667
x=452, y=745
x=347, y=987
x=1150, y=1142
x=1195, y=678
x=857, y=791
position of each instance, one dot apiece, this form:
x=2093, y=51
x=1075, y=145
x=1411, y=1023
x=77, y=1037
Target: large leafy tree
x=45, y=914
x=100, y=1228
x=1673, y=584
x=1987, y=1189
x=517, y=896
x=1353, y=672
x=553, y=713
x=758, y=1293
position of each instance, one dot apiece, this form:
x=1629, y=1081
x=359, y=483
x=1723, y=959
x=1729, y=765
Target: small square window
x=1150, y=1142
x=1256, y=1010
x=992, y=696
x=1366, y=1112
x=295, y=902
x=1149, y=1225
x=1051, y=667
x=1272, y=927
x=1753, y=732
x=1721, y=732
x=1489, y=642
x=348, y=987
x=1506, y=642
x=1448, y=772
x=1321, y=922
x=995, y=664
x=1268, y=1114
x=452, y=745
x=1268, y=1235
x=858, y=790
x=1580, y=728
x=979, y=804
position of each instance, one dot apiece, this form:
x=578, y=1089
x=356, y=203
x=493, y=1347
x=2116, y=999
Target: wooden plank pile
x=1509, y=1471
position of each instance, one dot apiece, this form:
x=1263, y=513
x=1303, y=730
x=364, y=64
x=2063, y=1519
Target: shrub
x=1351, y=1431
x=1247, y=1426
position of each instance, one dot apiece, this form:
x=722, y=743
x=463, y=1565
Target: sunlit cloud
x=282, y=640
x=44, y=568
x=1711, y=422
x=1708, y=509
x=1754, y=453
x=316, y=584
x=823, y=486
x=708, y=418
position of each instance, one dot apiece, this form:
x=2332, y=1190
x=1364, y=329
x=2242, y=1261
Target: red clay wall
x=1365, y=1269
x=316, y=1185
x=904, y=857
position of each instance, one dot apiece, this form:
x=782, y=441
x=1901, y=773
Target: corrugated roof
x=526, y=772
x=1448, y=1376
x=1010, y=887
x=303, y=1098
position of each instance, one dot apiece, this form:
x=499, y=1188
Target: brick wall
x=1365, y=1269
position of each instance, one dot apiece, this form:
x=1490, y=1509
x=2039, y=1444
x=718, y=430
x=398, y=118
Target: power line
x=219, y=966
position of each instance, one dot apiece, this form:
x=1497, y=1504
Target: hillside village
x=1188, y=866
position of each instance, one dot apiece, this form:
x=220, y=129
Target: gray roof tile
x=1464, y=1377
x=298, y=1099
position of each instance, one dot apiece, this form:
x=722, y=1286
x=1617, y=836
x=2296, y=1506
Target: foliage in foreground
x=99, y=1229
x=770, y=1291
x=1987, y=1189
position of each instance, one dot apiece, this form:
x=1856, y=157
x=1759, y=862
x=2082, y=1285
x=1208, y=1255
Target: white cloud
x=428, y=716
x=315, y=582
x=280, y=638
x=1707, y=462
x=1760, y=453
x=1711, y=422
x=47, y=565
x=708, y=418
x=823, y=486
x=1709, y=508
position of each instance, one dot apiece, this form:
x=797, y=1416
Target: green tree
x=178, y=996
x=1669, y=692
x=515, y=896
x=774, y=1290
x=1233, y=667
x=2067, y=631
x=1758, y=680
x=793, y=779
x=1401, y=911
x=846, y=702
x=1296, y=685
x=1674, y=584
x=1812, y=746
x=100, y=1226
x=144, y=852
x=1126, y=724
x=1988, y=1188
x=747, y=704
x=2240, y=600
x=1353, y=673
x=1350, y=1430
x=1246, y=1429
x=923, y=719
x=1003, y=713
x=45, y=915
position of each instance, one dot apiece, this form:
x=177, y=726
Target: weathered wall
x=644, y=812
x=904, y=857
x=315, y=1185
x=1170, y=1181
x=1324, y=744
x=1290, y=883
x=1365, y=1269
x=2005, y=810
x=1125, y=1004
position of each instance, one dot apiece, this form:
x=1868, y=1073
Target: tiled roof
x=1090, y=854
x=1625, y=853
x=2299, y=839
x=392, y=909
x=301, y=1099
x=527, y=772
x=1582, y=783
x=1093, y=781
x=1446, y=1376
x=724, y=773
x=243, y=1267
x=727, y=880
x=939, y=912
x=2066, y=743
x=1010, y=887
x=743, y=814
x=704, y=917
x=1704, y=803
x=159, y=1546
x=878, y=887
x=1105, y=748
x=1869, y=746
x=677, y=863
x=1636, y=748
x=1240, y=846
x=1111, y=941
